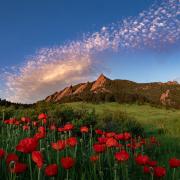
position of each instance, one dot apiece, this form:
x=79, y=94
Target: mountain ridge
x=123, y=91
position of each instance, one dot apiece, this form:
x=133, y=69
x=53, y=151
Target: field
x=152, y=118
x=92, y=141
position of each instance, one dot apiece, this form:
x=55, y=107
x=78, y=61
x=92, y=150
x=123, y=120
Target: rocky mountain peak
x=99, y=83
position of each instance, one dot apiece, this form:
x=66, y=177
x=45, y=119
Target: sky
x=47, y=45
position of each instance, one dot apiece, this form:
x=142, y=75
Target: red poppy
x=42, y=116
x=119, y=136
x=127, y=136
x=72, y=141
x=142, y=159
x=60, y=129
x=102, y=140
x=18, y=168
x=59, y=145
x=159, y=171
x=99, y=132
x=44, y=121
x=67, y=162
x=51, y=170
x=11, y=158
x=2, y=153
x=99, y=148
x=27, y=145
x=42, y=129
x=68, y=127
x=94, y=158
x=37, y=158
x=146, y=169
x=174, y=163
x=122, y=156
x=25, y=119
x=35, y=123
x=26, y=128
x=38, y=136
x=110, y=134
x=152, y=163
x=84, y=129
x=111, y=142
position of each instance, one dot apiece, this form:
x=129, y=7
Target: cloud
x=51, y=69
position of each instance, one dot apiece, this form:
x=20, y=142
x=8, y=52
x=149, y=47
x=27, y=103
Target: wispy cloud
x=53, y=68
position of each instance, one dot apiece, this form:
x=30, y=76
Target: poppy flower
x=84, y=129
x=111, y=142
x=39, y=135
x=99, y=148
x=18, y=168
x=142, y=159
x=146, y=169
x=51, y=170
x=42, y=116
x=37, y=158
x=72, y=141
x=35, y=123
x=26, y=128
x=60, y=129
x=11, y=157
x=102, y=140
x=99, y=132
x=59, y=145
x=122, y=156
x=2, y=153
x=152, y=163
x=25, y=119
x=159, y=171
x=110, y=134
x=67, y=162
x=42, y=129
x=27, y=145
x=119, y=136
x=174, y=163
x=94, y=158
x=127, y=136
x=68, y=127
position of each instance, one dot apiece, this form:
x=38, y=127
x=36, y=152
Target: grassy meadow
x=151, y=118
x=65, y=142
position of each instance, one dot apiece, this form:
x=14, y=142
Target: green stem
x=67, y=175
x=30, y=167
x=39, y=174
x=174, y=171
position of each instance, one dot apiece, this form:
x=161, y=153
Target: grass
x=162, y=122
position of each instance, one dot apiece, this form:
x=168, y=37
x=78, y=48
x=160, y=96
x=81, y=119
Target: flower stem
x=30, y=167
x=39, y=174
x=174, y=171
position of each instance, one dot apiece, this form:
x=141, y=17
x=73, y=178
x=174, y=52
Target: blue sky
x=65, y=42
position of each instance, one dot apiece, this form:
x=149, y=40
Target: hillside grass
x=162, y=122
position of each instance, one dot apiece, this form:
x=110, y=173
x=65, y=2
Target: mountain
x=122, y=91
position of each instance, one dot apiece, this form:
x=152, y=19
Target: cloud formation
x=54, y=68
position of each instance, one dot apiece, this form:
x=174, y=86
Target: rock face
x=59, y=95
x=164, y=99
x=96, y=87
x=66, y=92
x=82, y=88
x=99, y=83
